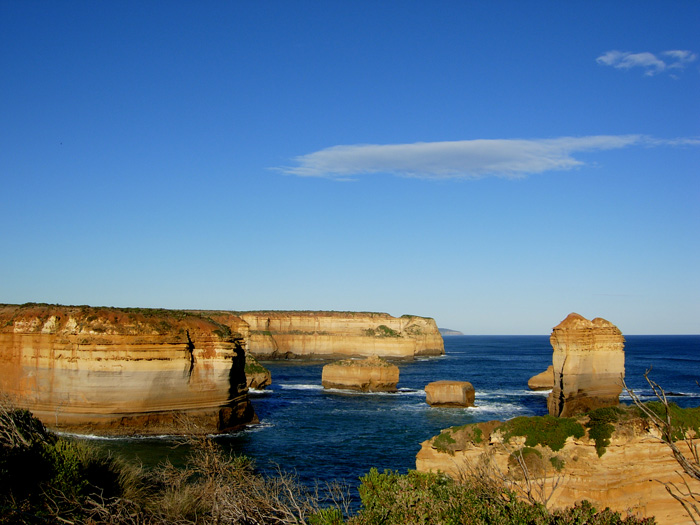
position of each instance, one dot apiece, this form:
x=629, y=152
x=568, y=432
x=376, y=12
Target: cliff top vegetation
x=552, y=432
x=97, y=320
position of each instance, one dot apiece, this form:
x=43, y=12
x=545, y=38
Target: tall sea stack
x=589, y=363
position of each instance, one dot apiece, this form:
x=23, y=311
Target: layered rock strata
x=628, y=477
x=322, y=334
x=588, y=362
x=372, y=374
x=123, y=371
x=543, y=380
x=450, y=394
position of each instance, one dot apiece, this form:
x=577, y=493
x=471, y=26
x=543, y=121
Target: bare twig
x=664, y=424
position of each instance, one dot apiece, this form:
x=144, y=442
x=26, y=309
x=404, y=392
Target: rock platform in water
x=372, y=374
x=450, y=394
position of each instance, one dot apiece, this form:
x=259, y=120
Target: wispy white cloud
x=465, y=159
x=652, y=64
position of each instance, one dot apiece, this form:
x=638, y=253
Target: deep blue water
x=336, y=435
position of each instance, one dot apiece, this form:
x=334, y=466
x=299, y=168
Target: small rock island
x=366, y=375
x=450, y=394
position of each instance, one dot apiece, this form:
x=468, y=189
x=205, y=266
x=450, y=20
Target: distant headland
x=449, y=331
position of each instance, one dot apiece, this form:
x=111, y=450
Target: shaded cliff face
x=319, y=334
x=627, y=477
x=589, y=362
x=122, y=371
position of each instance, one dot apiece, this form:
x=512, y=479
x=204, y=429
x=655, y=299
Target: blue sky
x=495, y=165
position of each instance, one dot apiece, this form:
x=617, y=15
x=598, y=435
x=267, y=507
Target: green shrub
x=391, y=498
x=381, y=331
x=443, y=441
x=548, y=431
x=47, y=475
x=329, y=516
x=601, y=425
x=557, y=463
x=682, y=419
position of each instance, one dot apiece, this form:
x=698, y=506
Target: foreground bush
x=49, y=479
x=391, y=498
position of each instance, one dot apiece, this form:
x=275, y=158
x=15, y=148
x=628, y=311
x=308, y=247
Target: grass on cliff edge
x=45, y=478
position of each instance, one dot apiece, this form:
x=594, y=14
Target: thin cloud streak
x=652, y=64
x=465, y=159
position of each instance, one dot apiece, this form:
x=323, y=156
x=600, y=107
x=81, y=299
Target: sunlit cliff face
x=122, y=371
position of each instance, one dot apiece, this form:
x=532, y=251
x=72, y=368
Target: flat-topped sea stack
x=372, y=374
x=612, y=457
x=543, y=380
x=323, y=334
x=449, y=394
x=589, y=362
x=123, y=371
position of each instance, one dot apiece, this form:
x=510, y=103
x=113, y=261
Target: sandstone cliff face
x=322, y=334
x=121, y=371
x=628, y=476
x=367, y=375
x=588, y=361
x=450, y=394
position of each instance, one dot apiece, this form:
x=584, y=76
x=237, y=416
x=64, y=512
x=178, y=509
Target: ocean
x=331, y=435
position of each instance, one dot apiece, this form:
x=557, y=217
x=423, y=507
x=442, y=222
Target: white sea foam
x=399, y=392
x=512, y=392
x=301, y=387
x=134, y=437
x=260, y=391
x=264, y=425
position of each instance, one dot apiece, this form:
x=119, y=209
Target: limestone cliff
x=322, y=334
x=121, y=371
x=372, y=374
x=625, y=475
x=589, y=362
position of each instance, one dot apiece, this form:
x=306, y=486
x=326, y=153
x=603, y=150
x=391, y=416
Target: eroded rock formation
x=627, y=477
x=258, y=376
x=449, y=394
x=121, y=371
x=372, y=374
x=589, y=362
x=543, y=380
x=322, y=334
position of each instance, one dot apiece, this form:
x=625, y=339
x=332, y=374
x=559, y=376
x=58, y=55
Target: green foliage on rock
x=601, y=425
x=253, y=367
x=557, y=462
x=390, y=498
x=382, y=331
x=548, y=431
x=443, y=441
x=682, y=419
